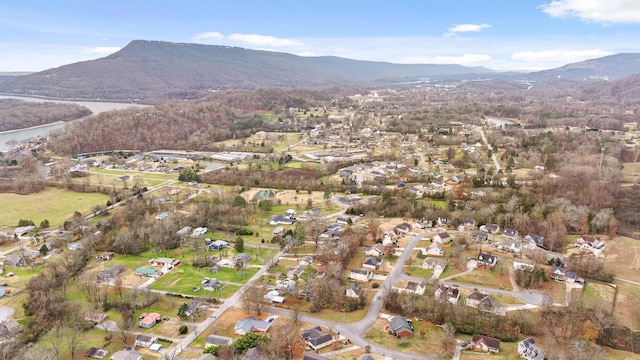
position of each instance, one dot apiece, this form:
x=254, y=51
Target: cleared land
x=55, y=205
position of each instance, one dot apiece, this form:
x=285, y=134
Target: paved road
x=493, y=156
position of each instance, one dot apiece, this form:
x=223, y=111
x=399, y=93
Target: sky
x=520, y=35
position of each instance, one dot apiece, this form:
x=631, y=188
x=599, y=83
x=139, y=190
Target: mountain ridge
x=154, y=71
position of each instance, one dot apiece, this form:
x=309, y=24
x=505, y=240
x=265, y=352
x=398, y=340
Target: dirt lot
x=288, y=196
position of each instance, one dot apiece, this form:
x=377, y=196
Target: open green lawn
x=426, y=338
x=182, y=279
x=487, y=278
x=627, y=304
x=596, y=292
x=53, y=204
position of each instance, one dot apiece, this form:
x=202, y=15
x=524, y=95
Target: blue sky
x=498, y=34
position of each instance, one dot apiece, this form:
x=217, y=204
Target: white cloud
x=263, y=40
x=559, y=57
x=208, y=36
x=468, y=28
x=102, y=50
x=607, y=12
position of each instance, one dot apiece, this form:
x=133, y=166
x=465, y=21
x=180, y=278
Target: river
x=498, y=122
x=96, y=107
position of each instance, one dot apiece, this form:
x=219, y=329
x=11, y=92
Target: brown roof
x=489, y=341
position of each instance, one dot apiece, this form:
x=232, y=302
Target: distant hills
x=150, y=71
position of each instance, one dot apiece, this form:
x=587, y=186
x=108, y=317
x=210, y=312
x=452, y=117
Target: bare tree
x=125, y=328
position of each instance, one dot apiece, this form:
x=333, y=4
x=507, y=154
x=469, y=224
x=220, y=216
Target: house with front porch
x=485, y=344
x=362, y=275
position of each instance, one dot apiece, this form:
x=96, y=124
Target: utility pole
x=601, y=158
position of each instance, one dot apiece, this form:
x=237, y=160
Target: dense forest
x=18, y=114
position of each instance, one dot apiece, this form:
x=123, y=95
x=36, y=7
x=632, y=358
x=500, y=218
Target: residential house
x=512, y=246
x=129, y=354
x=435, y=249
x=486, y=261
x=523, y=264
x=479, y=236
x=147, y=272
x=281, y=220
x=375, y=250
x=485, y=344
x=400, y=327
x=148, y=320
x=105, y=256
x=15, y=260
x=217, y=340
x=314, y=356
x=242, y=259
x=448, y=293
x=490, y=228
x=402, y=229
x=536, y=239
x=415, y=287
x=305, y=261
x=372, y=263
x=434, y=264
x=510, y=233
x=528, y=350
x=279, y=230
x=9, y=328
x=295, y=272
x=23, y=230
x=316, y=339
x=111, y=273
x=344, y=220
x=481, y=301
x=443, y=222
x=253, y=353
x=363, y=275
x=96, y=353
x=354, y=291
x=591, y=243
x=199, y=231
x=210, y=284
x=285, y=285
x=168, y=263
x=218, y=245
x=424, y=223
x=192, y=307
x=273, y=296
x=94, y=318
x=442, y=237
x=251, y=324
x=558, y=273
x=145, y=340
x=468, y=224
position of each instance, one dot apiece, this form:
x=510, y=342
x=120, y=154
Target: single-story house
x=217, y=340
x=169, y=263
x=273, y=296
x=434, y=264
x=96, y=353
x=523, y=264
x=479, y=236
x=281, y=220
x=400, y=326
x=210, y=284
x=105, y=255
x=15, y=260
x=147, y=272
x=485, y=343
x=243, y=258
x=129, y=354
x=307, y=260
x=218, y=245
x=372, y=263
x=9, y=328
x=363, y=275
x=279, y=230
x=486, y=261
x=490, y=228
x=95, y=318
x=149, y=320
x=448, y=293
x=192, y=307
x=23, y=230
x=528, y=350
x=354, y=291
x=111, y=273
x=145, y=340
x=316, y=339
x=296, y=272
x=314, y=356
x=285, y=285
x=402, y=229
x=252, y=324
x=481, y=301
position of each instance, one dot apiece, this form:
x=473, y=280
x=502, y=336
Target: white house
x=528, y=350
x=442, y=237
x=363, y=275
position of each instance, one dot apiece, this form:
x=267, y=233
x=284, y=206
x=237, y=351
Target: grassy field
x=184, y=278
x=630, y=172
x=595, y=292
x=487, y=278
x=55, y=205
x=620, y=254
x=507, y=351
x=627, y=304
x=429, y=343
